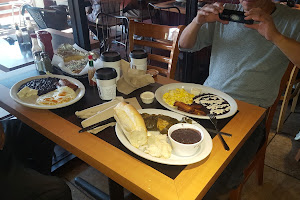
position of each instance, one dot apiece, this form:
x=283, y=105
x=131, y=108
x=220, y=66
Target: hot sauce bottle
x=91, y=71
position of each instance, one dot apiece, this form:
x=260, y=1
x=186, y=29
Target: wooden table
x=136, y=176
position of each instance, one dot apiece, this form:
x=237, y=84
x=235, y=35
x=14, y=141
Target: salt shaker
x=138, y=59
x=38, y=63
x=106, y=82
x=112, y=59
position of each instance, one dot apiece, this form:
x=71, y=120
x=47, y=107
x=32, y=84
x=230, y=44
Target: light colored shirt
x=243, y=63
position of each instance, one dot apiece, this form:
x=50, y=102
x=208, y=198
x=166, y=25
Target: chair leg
x=236, y=193
x=297, y=158
x=260, y=171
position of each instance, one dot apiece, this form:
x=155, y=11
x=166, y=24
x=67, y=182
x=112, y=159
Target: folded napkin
x=132, y=79
x=89, y=112
x=102, y=112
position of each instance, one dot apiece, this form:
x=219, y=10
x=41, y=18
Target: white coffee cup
x=138, y=59
x=106, y=82
x=112, y=59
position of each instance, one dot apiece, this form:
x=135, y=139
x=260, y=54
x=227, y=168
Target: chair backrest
x=157, y=38
x=272, y=109
x=55, y=17
x=164, y=15
x=36, y=15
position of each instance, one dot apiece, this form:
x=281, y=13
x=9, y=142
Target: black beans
x=43, y=85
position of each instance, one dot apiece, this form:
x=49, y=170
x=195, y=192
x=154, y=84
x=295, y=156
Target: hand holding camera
x=234, y=16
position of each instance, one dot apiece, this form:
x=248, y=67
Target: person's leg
x=29, y=147
x=17, y=182
x=23, y=183
x=233, y=174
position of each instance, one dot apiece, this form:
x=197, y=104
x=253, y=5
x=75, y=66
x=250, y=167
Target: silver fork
x=214, y=121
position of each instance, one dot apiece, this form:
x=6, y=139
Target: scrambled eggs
x=179, y=94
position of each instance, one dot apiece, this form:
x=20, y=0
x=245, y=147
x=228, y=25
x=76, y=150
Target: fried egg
x=60, y=95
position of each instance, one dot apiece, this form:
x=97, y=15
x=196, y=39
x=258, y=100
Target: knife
x=109, y=120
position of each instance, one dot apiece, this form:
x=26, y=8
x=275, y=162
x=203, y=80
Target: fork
x=214, y=121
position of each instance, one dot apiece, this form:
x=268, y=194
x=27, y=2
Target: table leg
x=116, y=191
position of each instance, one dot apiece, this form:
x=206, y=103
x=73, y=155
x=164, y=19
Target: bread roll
x=131, y=123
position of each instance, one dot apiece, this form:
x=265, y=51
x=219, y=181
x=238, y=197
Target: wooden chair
x=157, y=37
x=294, y=81
x=258, y=161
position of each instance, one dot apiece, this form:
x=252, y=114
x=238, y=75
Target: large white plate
x=188, y=86
x=203, y=152
x=14, y=90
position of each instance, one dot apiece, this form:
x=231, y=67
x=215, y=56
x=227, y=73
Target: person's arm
x=208, y=13
x=266, y=28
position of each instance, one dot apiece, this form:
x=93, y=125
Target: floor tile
x=280, y=155
x=276, y=186
x=271, y=135
x=95, y=178
x=77, y=194
x=71, y=169
x=3, y=112
x=292, y=124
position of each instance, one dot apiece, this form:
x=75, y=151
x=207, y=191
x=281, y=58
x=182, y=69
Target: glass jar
x=46, y=62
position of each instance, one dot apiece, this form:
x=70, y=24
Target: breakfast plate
x=204, y=89
x=30, y=102
x=201, y=154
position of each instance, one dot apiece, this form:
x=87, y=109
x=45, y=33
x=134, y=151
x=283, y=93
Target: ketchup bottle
x=46, y=42
x=91, y=71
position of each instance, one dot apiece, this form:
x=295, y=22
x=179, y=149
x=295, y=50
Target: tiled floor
x=281, y=174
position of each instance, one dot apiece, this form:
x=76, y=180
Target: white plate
x=14, y=90
x=188, y=86
x=203, y=152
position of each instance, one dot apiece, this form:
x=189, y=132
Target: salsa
x=186, y=136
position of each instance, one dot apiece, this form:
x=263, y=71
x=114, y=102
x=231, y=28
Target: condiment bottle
x=106, y=82
x=138, y=59
x=46, y=62
x=38, y=63
x=46, y=42
x=112, y=59
x=35, y=45
x=91, y=71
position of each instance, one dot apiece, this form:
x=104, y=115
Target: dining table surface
x=142, y=177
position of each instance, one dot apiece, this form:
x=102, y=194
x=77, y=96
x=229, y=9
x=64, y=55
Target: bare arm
x=266, y=28
x=209, y=13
